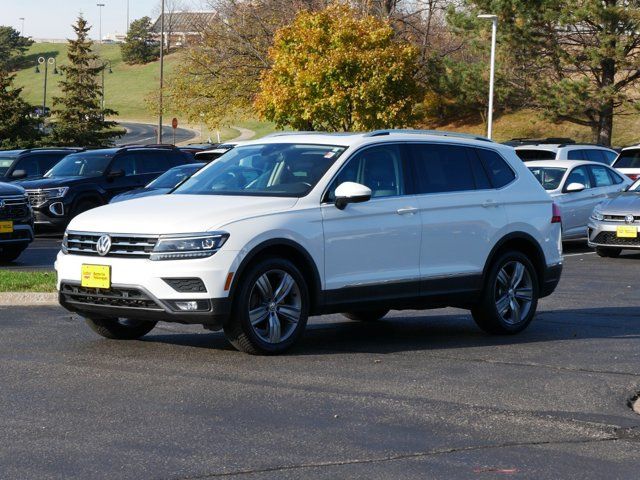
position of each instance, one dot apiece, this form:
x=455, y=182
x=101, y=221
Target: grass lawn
x=11, y=281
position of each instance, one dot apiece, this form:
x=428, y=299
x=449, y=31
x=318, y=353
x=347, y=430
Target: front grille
x=619, y=218
x=610, y=238
x=130, y=246
x=15, y=208
x=113, y=297
x=186, y=285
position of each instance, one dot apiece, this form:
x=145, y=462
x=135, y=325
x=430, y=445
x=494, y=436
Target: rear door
x=461, y=213
x=576, y=207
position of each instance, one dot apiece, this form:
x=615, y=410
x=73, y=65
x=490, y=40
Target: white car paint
x=576, y=207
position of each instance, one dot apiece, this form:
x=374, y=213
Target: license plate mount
x=96, y=276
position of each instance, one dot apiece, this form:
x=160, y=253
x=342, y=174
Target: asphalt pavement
x=418, y=395
x=144, y=133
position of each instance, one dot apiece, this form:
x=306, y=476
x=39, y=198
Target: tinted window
x=615, y=178
x=174, y=176
x=601, y=176
x=499, y=171
x=527, y=154
x=596, y=156
x=576, y=155
x=85, y=164
x=379, y=168
x=442, y=168
x=152, y=162
x=579, y=175
x=5, y=164
x=549, y=177
x=628, y=159
x=610, y=156
x=36, y=165
x=125, y=162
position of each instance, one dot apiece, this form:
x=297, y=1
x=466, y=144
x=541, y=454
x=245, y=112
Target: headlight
x=196, y=245
x=597, y=215
x=39, y=197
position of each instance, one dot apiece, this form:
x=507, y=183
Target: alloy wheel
x=513, y=292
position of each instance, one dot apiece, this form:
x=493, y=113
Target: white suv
x=562, y=149
x=296, y=225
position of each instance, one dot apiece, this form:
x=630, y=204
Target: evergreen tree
x=140, y=46
x=18, y=128
x=79, y=116
x=12, y=47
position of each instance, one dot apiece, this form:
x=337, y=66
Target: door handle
x=489, y=203
x=406, y=211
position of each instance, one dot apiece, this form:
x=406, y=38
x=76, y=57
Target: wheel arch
x=291, y=250
x=521, y=242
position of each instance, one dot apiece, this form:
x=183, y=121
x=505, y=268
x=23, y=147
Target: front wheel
x=270, y=308
x=608, y=252
x=120, y=328
x=510, y=296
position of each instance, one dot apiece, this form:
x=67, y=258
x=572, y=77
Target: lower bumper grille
x=610, y=238
x=16, y=235
x=114, y=297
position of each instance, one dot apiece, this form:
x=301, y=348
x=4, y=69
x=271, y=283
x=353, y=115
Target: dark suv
x=16, y=222
x=84, y=180
x=30, y=163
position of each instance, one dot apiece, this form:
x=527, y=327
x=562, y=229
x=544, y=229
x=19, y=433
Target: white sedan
x=577, y=187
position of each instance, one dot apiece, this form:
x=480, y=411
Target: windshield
x=526, y=155
x=628, y=159
x=5, y=164
x=549, y=177
x=85, y=164
x=173, y=177
x=273, y=170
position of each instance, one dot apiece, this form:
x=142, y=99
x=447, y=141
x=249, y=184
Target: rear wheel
x=366, y=315
x=270, y=308
x=9, y=254
x=510, y=295
x=120, y=328
x=608, y=252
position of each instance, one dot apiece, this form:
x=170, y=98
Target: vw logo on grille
x=629, y=219
x=104, y=245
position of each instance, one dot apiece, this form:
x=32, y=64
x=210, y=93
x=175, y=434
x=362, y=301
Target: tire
x=9, y=254
x=608, y=252
x=268, y=330
x=366, y=315
x=120, y=328
x=512, y=281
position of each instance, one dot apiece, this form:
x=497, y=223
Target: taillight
x=633, y=176
x=556, y=217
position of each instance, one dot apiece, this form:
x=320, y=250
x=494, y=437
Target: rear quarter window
x=499, y=171
x=628, y=159
x=529, y=154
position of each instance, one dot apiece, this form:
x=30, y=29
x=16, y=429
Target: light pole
x=100, y=5
x=22, y=31
x=127, y=16
x=45, y=62
x=494, y=31
x=161, y=70
x=105, y=64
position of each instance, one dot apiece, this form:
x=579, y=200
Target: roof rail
x=540, y=141
x=168, y=146
x=441, y=133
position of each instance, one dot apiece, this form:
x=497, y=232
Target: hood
x=165, y=214
x=7, y=189
x=627, y=202
x=55, y=182
x=139, y=193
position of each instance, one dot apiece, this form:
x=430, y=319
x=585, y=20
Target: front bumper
x=22, y=235
x=603, y=234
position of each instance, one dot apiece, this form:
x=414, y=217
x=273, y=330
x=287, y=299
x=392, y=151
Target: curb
x=13, y=299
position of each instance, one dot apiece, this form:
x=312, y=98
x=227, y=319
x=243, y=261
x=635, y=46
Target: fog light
x=187, y=306
x=57, y=209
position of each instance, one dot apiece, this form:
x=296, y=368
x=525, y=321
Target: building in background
x=183, y=28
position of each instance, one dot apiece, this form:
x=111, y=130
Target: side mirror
x=18, y=174
x=350, y=192
x=115, y=174
x=575, y=187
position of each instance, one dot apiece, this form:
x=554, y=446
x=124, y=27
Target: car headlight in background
x=40, y=197
x=597, y=215
x=196, y=245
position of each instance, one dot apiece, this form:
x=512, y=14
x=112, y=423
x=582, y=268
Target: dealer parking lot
x=419, y=395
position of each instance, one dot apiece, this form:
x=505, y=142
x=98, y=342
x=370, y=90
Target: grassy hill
x=128, y=86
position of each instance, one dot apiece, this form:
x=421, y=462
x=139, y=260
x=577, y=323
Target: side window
x=442, y=168
x=594, y=155
x=379, y=168
x=152, y=162
x=500, y=174
x=615, y=178
x=601, y=176
x=125, y=162
x=29, y=164
x=610, y=156
x=576, y=155
x=579, y=175
x=48, y=161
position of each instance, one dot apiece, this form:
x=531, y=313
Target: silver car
x=614, y=224
x=577, y=187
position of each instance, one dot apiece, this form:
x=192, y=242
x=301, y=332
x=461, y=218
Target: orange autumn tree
x=336, y=70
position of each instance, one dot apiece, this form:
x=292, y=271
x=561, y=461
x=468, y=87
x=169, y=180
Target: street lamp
x=100, y=5
x=46, y=62
x=105, y=64
x=494, y=31
x=161, y=70
x=22, y=31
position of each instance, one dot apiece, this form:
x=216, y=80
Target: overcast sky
x=52, y=18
